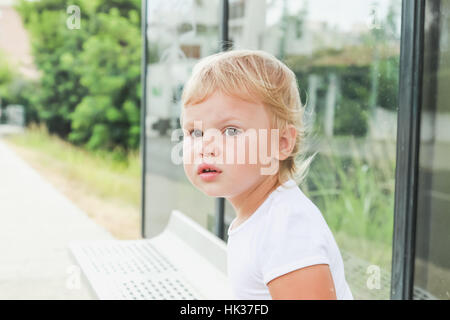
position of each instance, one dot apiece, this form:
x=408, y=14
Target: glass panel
x=179, y=34
x=346, y=57
x=432, y=260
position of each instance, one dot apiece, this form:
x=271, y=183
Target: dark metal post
x=408, y=139
x=220, y=218
x=143, y=136
x=225, y=45
x=224, y=40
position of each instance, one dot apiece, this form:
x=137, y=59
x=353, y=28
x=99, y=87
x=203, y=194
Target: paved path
x=36, y=224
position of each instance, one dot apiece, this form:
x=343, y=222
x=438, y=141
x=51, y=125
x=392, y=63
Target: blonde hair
x=254, y=75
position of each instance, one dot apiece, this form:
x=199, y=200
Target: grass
x=354, y=187
x=104, y=184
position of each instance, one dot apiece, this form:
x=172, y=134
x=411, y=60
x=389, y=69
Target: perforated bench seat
x=183, y=262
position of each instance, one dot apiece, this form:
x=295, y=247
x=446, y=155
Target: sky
x=340, y=13
x=343, y=13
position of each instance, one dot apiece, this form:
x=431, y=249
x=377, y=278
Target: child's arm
x=310, y=283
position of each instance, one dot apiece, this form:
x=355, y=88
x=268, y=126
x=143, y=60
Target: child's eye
x=231, y=131
x=195, y=133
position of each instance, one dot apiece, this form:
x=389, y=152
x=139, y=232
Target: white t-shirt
x=287, y=232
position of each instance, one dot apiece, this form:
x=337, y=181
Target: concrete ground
x=36, y=225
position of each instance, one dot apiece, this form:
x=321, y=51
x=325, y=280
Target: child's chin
x=211, y=191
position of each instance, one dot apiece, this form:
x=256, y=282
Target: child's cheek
x=229, y=151
x=235, y=151
x=188, y=156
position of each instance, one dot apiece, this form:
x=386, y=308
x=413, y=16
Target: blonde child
x=243, y=136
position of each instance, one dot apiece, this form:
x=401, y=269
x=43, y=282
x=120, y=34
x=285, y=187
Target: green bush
x=350, y=119
x=355, y=87
x=14, y=89
x=6, y=77
x=89, y=91
x=355, y=194
x=388, y=84
x=352, y=101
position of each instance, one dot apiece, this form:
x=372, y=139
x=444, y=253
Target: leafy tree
x=89, y=89
x=14, y=89
x=5, y=79
x=6, y=75
x=110, y=70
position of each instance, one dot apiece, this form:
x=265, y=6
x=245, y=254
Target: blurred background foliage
x=357, y=96
x=89, y=89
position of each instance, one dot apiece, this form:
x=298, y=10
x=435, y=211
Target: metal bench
x=183, y=262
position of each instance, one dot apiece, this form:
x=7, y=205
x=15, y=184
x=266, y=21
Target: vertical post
x=330, y=105
x=224, y=39
x=143, y=136
x=313, y=84
x=225, y=45
x=408, y=140
x=284, y=26
x=220, y=218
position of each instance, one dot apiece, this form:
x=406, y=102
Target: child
x=241, y=114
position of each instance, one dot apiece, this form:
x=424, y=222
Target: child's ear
x=287, y=141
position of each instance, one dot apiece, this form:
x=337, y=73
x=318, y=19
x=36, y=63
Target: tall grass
x=354, y=188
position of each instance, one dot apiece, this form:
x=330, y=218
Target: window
x=432, y=257
x=350, y=68
x=237, y=9
x=347, y=64
x=178, y=35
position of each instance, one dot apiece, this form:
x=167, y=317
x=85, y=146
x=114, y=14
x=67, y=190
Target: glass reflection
x=346, y=58
x=432, y=256
x=179, y=34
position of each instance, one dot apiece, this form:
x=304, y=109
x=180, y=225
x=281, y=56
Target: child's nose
x=210, y=148
x=208, y=154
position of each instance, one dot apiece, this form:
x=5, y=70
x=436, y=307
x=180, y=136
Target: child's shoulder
x=292, y=212
x=293, y=200
x=294, y=232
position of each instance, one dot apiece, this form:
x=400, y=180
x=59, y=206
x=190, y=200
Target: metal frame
x=225, y=45
x=144, y=60
x=408, y=140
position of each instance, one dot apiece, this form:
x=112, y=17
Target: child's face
x=216, y=132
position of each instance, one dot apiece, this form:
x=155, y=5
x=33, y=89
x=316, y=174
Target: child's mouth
x=209, y=176
x=208, y=172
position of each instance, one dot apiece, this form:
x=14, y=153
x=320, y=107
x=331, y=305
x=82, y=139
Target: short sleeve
x=291, y=239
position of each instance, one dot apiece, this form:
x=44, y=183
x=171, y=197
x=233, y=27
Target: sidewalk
x=36, y=224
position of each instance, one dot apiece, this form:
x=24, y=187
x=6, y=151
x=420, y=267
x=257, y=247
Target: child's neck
x=246, y=203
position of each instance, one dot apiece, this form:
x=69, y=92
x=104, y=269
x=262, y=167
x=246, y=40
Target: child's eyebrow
x=226, y=119
x=219, y=121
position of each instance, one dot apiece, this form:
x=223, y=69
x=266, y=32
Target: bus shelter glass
x=179, y=34
x=346, y=58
